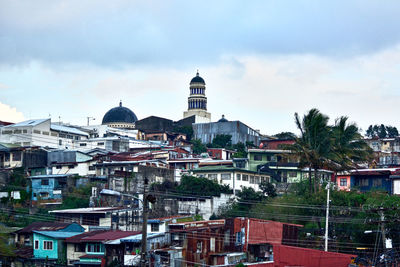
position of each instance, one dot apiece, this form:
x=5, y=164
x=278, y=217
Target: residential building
x=42, y=133
x=49, y=189
x=97, y=248
x=71, y=162
x=235, y=178
x=343, y=182
x=114, y=218
x=24, y=236
x=198, y=240
x=220, y=153
x=49, y=247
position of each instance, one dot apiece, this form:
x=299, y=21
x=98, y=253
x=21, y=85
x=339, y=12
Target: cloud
x=10, y=114
x=178, y=34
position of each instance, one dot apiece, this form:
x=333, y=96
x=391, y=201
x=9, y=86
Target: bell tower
x=197, y=100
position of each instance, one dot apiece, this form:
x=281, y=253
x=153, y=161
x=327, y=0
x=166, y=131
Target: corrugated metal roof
x=62, y=128
x=43, y=226
x=57, y=234
x=49, y=176
x=99, y=210
x=27, y=123
x=138, y=238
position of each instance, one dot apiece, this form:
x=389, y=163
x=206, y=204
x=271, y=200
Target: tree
x=285, y=135
x=198, y=147
x=348, y=147
x=381, y=131
x=222, y=141
x=313, y=145
x=240, y=150
x=268, y=189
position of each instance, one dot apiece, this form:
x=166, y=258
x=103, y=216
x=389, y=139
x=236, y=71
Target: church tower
x=197, y=101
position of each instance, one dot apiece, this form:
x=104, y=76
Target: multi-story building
x=42, y=133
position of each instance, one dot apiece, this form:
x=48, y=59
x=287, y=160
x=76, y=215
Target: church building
x=197, y=101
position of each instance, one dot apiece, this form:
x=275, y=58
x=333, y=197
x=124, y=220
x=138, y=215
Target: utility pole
x=144, y=225
x=383, y=235
x=327, y=216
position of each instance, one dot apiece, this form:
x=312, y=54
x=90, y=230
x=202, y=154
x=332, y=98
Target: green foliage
x=268, y=189
x=6, y=250
x=187, y=130
x=381, y=131
x=222, y=141
x=78, y=198
x=351, y=214
x=339, y=147
x=285, y=135
x=198, y=147
x=198, y=217
x=240, y=150
x=194, y=186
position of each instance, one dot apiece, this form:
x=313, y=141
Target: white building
x=42, y=133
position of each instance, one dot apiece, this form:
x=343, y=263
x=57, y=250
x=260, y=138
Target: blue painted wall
x=37, y=188
x=41, y=253
x=386, y=183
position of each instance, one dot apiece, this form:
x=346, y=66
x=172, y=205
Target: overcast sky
x=262, y=60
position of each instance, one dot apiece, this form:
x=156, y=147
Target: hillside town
x=198, y=191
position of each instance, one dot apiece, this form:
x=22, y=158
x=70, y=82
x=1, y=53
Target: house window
x=100, y=143
x=44, y=182
x=44, y=194
x=292, y=174
x=213, y=176
x=60, y=142
x=258, y=157
x=82, y=144
x=16, y=156
x=238, y=177
x=95, y=248
x=36, y=244
x=377, y=182
x=48, y=245
x=225, y=176
x=58, y=167
x=79, y=248
x=251, y=179
x=343, y=182
x=245, y=177
x=257, y=179
x=155, y=227
x=363, y=182
x=92, y=168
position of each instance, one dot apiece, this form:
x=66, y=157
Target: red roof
x=101, y=236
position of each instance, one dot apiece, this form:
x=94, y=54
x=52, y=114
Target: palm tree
x=314, y=143
x=348, y=146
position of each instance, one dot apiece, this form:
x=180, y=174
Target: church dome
x=119, y=114
x=222, y=119
x=197, y=79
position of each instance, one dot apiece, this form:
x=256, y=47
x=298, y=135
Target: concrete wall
x=240, y=132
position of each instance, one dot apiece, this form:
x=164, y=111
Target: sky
x=262, y=60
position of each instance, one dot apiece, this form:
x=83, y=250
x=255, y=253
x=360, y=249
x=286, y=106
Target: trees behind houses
x=338, y=147
x=381, y=131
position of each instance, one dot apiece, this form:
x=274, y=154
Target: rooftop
x=101, y=210
x=44, y=226
x=57, y=234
